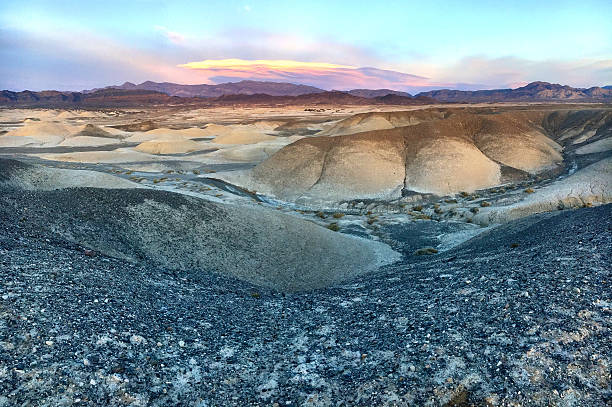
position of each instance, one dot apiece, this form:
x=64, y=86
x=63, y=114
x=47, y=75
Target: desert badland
x=304, y=233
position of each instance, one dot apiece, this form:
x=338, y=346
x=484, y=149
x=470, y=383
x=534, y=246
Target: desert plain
x=270, y=255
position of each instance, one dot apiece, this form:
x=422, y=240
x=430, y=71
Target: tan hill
x=445, y=153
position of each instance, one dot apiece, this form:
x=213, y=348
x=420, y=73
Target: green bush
x=425, y=250
x=333, y=226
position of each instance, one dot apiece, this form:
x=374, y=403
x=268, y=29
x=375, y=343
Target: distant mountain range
x=373, y=93
x=533, y=92
x=212, y=91
x=276, y=93
x=113, y=97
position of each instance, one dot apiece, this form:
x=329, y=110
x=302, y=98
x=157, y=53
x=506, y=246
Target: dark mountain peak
x=534, y=91
x=374, y=93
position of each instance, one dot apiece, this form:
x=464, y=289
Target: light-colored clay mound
x=371, y=121
x=445, y=166
x=462, y=152
x=143, y=137
x=120, y=155
x=17, y=141
x=512, y=140
x=437, y=157
x=590, y=185
x=251, y=152
x=87, y=141
x=46, y=134
x=237, y=134
x=169, y=147
x=189, y=133
x=598, y=146
x=240, y=137
x=66, y=114
x=40, y=178
x=90, y=130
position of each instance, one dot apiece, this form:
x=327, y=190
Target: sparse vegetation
x=529, y=190
x=425, y=251
x=450, y=201
x=484, y=204
x=321, y=215
x=438, y=211
x=338, y=215
x=196, y=172
x=372, y=220
x=474, y=210
x=333, y=226
x=514, y=245
x=464, y=194
x=417, y=208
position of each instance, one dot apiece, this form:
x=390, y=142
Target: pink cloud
x=323, y=75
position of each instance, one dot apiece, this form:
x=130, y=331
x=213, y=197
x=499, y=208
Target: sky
x=403, y=45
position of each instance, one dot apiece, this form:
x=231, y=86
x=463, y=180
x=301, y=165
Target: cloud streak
x=172, y=36
x=320, y=74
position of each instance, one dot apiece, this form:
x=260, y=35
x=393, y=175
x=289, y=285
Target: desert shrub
x=484, y=204
x=425, y=250
x=450, y=201
x=438, y=211
x=529, y=190
x=417, y=208
x=338, y=215
x=372, y=220
x=333, y=226
x=464, y=194
x=321, y=215
x=588, y=205
x=514, y=245
x=196, y=172
x=474, y=210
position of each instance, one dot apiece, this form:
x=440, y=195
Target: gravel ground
x=520, y=315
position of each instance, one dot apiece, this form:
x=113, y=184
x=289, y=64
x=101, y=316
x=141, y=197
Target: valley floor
x=517, y=316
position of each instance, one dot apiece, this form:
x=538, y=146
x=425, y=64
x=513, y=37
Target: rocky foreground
x=521, y=315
